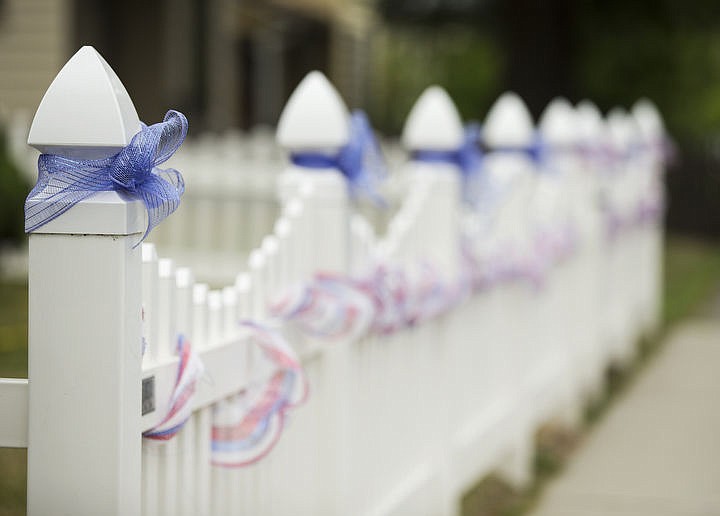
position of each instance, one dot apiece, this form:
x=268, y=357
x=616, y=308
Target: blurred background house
x=226, y=63
x=233, y=63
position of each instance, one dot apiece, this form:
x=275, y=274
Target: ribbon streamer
x=247, y=428
x=190, y=369
x=650, y=210
x=385, y=301
x=388, y=290
x=63, y=182
x=477, y=272
x=331, y=307
x=360, y=160
x=430, y=294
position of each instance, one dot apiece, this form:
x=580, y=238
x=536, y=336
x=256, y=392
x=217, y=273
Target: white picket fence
x=399, y=424
x=232, y=201
x=230, y=177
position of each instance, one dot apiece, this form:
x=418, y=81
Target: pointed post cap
x=315, y=117
x=648, y=118
x=508, y=123
x=590, y=122
x=615, y=123
x=86, y=112
x=433, y=123
x=624, y=131
x=558, y=123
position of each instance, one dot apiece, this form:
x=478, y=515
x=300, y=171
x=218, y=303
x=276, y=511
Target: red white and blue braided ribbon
x=491, y=269
x=383, y=302
x=330, y=307
x=651, y=208
x=555, y=244
x=246, y=428
x=389, y=291
x=617, y=222
x=431, y=295
x=510, y=263
x=648, y=211
x=190, y=369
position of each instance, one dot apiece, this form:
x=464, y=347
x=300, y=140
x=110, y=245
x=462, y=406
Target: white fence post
x=85, y=312
x=624, y=260
x=654, y=150
x=433, y=205
x=434, y=124
x=316, y=121
x=560, y=212
x=508, y=132
x=594, y=140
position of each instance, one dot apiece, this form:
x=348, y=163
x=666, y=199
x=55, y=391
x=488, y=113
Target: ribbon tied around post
x=360, y=160
x=468, y=158
x=538, y=151
x=63, y=182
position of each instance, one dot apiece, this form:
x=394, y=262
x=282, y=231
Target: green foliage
x=407, y=60
x=692, y=275
x=13, y=363
x=13, y=329
x=13, y=465
x=13, y=190
x=666, y=50
x=612, y=51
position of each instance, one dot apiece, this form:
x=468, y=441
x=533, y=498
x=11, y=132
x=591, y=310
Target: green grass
x=493, y=496
x=13, y=364
x=692, y=277
x=13, y=330
x=13, y=469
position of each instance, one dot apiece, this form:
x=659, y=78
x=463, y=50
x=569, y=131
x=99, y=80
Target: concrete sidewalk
x=657, y=451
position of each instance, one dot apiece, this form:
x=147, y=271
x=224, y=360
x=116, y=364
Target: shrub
x=13, y=190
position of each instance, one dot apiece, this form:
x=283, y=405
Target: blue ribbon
x=538, y=152
x=360, y=160
x=468, y=158
x=63, y=182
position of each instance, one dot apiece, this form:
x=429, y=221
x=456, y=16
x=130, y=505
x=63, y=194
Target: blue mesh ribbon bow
x=63, y=182
x=360, y=160
x=468, y=158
